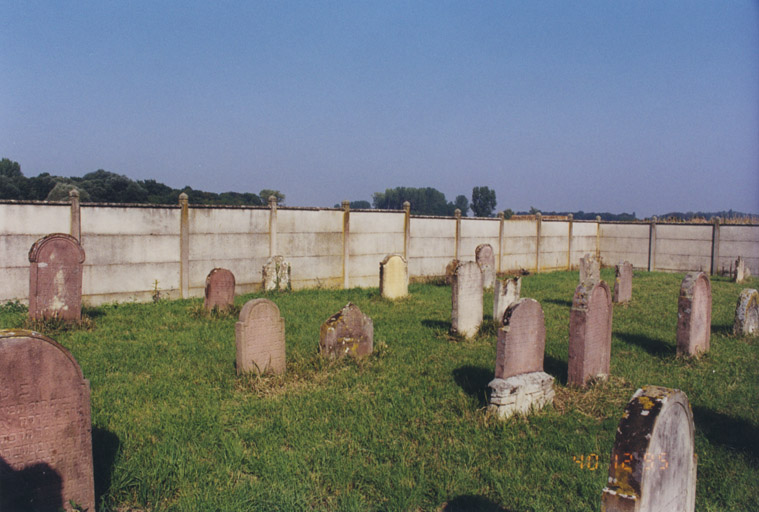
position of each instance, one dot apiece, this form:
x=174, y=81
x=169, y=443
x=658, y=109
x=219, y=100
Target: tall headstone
x=653, y=465
x=466, y=299
x=694, y=314
x=276, y=274
x=260, y=338
x=742, y=272
x=590, y=269
x=347, y=332
x=747, y=313
x=520, y=383
x=55, y=278
x=506, y=293
x=220, y=290
x=623, y=282
x=46, y=435
x=393, y=271
x=485, y=258
x=589, y=333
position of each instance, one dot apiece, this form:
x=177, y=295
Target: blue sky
x=642, y=106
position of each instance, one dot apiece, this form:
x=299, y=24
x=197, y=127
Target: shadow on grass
x=35, y=487
x=474, y=381
x=105, y=446
x=437, y=324
x=731, y=433
x=559, y=302
x=557, y=368
x=653, y=346
x=472, y=503
x=723, y=330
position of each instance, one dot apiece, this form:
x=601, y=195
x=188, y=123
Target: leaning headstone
x=276, y=274
x=653, y=464
x=485, y=258
x=742, y=272
x=55, y=278
x=505, y=294
x=393, y=273
x=220, y=290
x=747, y=313
x=590, y=269
x=46, y=435
x=260, y=338
x=347, y=332
x=694, y=314
x=623, y=282
x=466, y=299
x=589, y=333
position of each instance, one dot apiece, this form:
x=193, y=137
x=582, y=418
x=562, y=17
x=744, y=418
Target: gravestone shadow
x=437, y=324
x=559, y=302
x=105, y=446
x=732, y=433
x=655, y=347
x=473, y=380
x=557, y=368
x=35, y=487
x=472, y=503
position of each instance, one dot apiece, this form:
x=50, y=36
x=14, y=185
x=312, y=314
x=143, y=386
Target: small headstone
x=653, y=465
x=260, y=338
x=589, y=333
x=506, y=293
x=46, y=435
x=466, y=299
x=742, y=272
x=485, y=258
x=347, y=332
x=220, y=290
x=590, y=269
x=747, y=313
x=694, y=314
x=55, y=278
x=623, y=282
x=393, y=277
x=276, y=274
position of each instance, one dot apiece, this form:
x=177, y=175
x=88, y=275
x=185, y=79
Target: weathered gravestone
x=747, y=313
x=653, y=465
x=450, y=269
x=589, y=333
x=45, y=434
x=220, y=290
x=276, y=274
x=623, y=282
x=506, y=293
x=520, y=383
x=590, y=269
x=55, y=278
x=393, y=277
x=466, y=299
x=347, y=332
x=485, y=258
x=742, y=272
x=694, y=314
x=260, y=338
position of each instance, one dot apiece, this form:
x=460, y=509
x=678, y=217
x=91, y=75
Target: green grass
x=174, y=428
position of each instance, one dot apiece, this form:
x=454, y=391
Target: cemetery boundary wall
x=135, y=251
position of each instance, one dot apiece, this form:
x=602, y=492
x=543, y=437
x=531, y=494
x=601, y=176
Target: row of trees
x=430, y=201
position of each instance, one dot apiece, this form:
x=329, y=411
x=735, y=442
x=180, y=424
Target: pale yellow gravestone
x=394, y=277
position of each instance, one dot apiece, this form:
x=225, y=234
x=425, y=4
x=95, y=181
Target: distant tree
x=424, y=201
x=10, y=169
x=109, y=187
x=265, y=193
x=462, y=203
x=60, y=192
x=40, y=186
x=508, y=213
x=534, y=210
x=483, y=201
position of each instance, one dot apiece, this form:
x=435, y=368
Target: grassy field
x=174, y=428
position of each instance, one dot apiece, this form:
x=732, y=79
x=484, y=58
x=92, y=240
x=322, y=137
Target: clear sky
x=644, y=106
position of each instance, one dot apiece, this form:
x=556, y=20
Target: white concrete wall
x=432, y=245
x=620, y=242
x=373, y=235
x=737, y=241
x=554, y=243
x=583, y=240
x=476, y=231
x=519, y=245
x=312, y=241
x=683, y=246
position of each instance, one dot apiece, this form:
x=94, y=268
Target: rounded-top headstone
x=393, y=277
x=694, y=314
x=55, y=278
x=747, y=313
x=521, y=340
x=589, y=333
x=220, y=289
x=260, y=338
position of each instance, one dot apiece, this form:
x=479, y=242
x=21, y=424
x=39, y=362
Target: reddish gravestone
x=521, y=340
x=653, y=464
x=260, y=338
x=485, y=258
x=466, y=299
x=46, y=436
x=347, y=332
x=694, y=314
x=623, y=282
x=55, y=278
x=589, y=333
x=220, y=290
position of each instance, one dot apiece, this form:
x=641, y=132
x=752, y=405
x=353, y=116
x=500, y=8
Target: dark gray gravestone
x=46, y=436
x=623, y=282
x=694, y=314
x=747, y=313
x=347, y=332
x=466, y=299
x=589, y=333
x=260, y=338
x=55, y=278
x=220, y=290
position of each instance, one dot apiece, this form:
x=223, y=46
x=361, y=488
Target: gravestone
x=623, y=282
x=506, y=293
x=276, y=274
x=653, y=465
x=55, y=278
x=466, y=299
x=742, y=272
x=589, y=333
x=260, y=338
x=393, y=277
x=747, y=313
x=220, y=290
x=46, y=435
x=694, y=314
x=450, y=269
x=485, y=258
x=590, y=269
x=347, y=332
